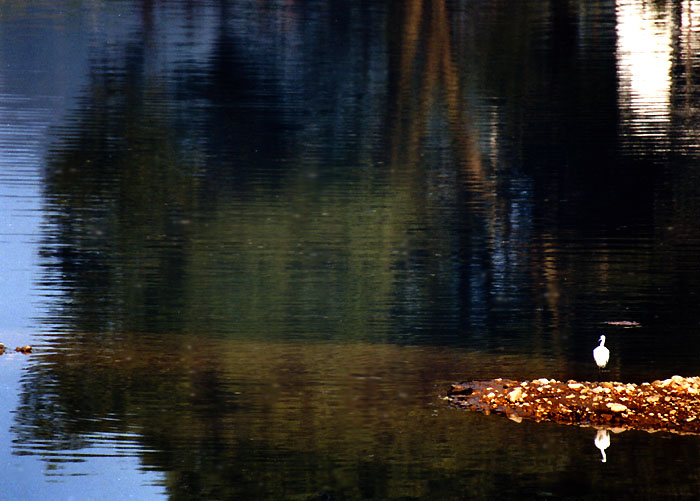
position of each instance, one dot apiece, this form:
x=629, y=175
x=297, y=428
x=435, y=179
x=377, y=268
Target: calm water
x=252, y=243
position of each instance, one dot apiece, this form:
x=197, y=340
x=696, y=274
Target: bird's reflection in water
x=602, y=441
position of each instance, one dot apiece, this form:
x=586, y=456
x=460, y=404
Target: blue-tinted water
x=252, y=244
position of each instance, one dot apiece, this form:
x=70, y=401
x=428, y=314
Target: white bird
x=601, y=354
x=602, y=441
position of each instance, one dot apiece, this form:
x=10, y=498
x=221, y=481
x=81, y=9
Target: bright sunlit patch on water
x=690, y=20
x=644, y=36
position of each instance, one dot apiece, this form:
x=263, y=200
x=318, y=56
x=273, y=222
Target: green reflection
x=224, y=223
x=275, y=419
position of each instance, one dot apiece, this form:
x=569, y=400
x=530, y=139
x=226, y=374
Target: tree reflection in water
x=274, y=231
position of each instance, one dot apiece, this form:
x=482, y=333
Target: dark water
x=252, y=243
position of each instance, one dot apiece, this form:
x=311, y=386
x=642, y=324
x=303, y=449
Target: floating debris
x=24, y=349
x=669, y=405
x=623, y=323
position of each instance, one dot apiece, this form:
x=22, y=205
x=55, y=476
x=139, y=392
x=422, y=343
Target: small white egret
x=602, y=441
x=601, y=354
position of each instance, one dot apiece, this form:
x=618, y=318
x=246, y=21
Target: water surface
x=253, y=243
